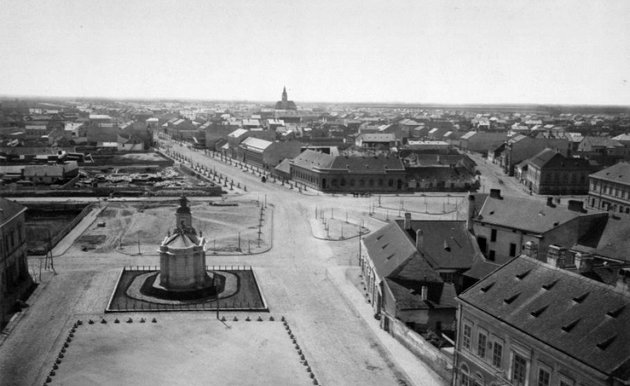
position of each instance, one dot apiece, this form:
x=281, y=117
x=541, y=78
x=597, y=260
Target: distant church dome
x=285, y=104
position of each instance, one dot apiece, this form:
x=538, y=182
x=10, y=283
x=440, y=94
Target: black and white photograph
x=301, y=192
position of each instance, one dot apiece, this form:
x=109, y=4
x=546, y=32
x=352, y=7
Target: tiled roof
x=608, y=238
x=543, y=157
x=310, y=159
x=526, y=214
x=361, y=164
x=284, y=166
x=8, y=209
x=600, y=142
x=388, y=248
x=407, y=295
x=580, y=317
x=619, y=173
x=446, y=244
x=404, y=271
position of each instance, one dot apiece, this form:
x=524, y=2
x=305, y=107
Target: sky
x=458, y=52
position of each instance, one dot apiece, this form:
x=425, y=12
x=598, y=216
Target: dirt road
x=343, y=344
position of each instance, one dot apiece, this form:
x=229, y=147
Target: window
x=465, y=378
x=482, y=340
x=491, y=255
x=543, y=377
x=512, y=249
x=497, y=354
x=493, y=235
x=467, y=333
x=519, y=370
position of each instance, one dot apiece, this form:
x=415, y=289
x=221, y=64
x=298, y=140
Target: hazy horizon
x=431, y=52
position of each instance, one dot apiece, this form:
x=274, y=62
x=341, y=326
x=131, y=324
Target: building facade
x=349, y=173
x=532, y=324
x=609, y=189
x=503, y=224
x=549, y=172
x=15, y=280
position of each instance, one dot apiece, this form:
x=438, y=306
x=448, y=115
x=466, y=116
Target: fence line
x=208, y=267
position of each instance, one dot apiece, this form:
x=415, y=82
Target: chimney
x=576, y=206
x=496, y=193
x=584, y=262
x=424, y=292
x=550, y=202
x=471, y=212
x=556, y=255
x=623, y=280
x=419, y=239
x=407, y=224
x=531, y=249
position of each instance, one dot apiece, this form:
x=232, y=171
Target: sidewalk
x=65, y=243
x=417, y=371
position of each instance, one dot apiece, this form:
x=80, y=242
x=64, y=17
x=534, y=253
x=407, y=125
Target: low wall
x=439, y=362
x=58, y=236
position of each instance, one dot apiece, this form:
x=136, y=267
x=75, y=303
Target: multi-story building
x=402, y=285
x=521, y=147
x=504, y=224
x=15, y=280
x=609, y=189
x=530, y=323
x=550, y=172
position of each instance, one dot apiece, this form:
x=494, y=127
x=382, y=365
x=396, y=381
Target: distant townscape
x=369, y=244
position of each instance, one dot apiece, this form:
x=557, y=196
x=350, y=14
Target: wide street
x=305, y=279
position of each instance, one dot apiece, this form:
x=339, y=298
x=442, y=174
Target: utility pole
x=52, y=265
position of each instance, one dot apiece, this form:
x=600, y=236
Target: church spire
x=284, y=94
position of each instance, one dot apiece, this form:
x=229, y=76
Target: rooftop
x=8, y=209
x=619, y=173
x=582, y=318
x=446, y=244
x=526, y=214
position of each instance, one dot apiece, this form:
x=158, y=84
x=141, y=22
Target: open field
x=140, y=227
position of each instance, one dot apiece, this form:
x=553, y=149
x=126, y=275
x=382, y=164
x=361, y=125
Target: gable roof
x=388, y=249
x=446, y=244
x=582, y=318
x=608, y=238
x=590, y=141
x=408, y=296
